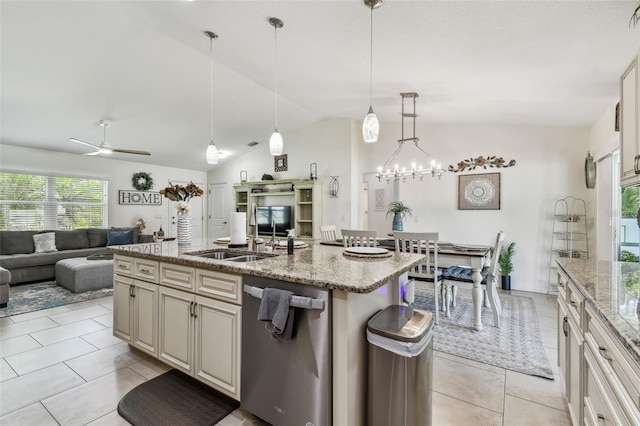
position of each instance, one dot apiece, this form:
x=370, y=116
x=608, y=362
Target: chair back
x=493, y=264
x=353, y=238
x=328, y=233
x=421, y=243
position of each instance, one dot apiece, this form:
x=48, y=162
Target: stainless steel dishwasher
x=287, y=382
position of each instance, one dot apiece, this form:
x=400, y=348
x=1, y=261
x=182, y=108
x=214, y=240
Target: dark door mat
x=174, y=398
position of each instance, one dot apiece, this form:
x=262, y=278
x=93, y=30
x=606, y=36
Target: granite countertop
x=318, y=265
x=612, y=288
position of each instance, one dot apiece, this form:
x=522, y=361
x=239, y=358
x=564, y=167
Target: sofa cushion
x=97, y=237
x=70, y=240
x=19, y=261
x=45, y=243
x=118, y=238
x=136, y=233
x=16, y=242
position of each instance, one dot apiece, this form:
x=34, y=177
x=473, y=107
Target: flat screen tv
x=282, y=217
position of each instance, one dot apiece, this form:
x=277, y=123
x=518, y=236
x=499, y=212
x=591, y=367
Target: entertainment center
x=272, y=197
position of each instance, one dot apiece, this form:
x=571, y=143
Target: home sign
x=139, y=198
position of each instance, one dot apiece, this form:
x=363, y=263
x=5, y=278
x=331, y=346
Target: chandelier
x=435, y=168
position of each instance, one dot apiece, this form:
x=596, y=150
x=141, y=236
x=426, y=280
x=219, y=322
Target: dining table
x=457, y=254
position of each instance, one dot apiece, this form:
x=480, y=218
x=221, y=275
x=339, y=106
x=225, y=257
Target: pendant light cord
x=275, y=29
x=371, y=60
x=211, y=83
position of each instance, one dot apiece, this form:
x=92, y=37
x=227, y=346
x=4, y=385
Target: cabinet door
x=563, y=333
x=218, y=345
x=145, y=317
x=574, y=371
x=628, y=123
x=122, y=308
x=176, y=328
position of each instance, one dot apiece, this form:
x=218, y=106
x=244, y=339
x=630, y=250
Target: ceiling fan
x=104, y=147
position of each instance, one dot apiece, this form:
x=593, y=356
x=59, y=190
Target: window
x=629, y=235
x=34, y=202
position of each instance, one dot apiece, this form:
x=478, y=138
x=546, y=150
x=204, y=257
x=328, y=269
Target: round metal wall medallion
x=590, y=171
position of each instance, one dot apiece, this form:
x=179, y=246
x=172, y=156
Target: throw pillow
x=45, y=243
x=118, y=238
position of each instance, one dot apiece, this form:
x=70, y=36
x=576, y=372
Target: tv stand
x=304, y=196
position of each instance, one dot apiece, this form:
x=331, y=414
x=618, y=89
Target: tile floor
x=63, y=366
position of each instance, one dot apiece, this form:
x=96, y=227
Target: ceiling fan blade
x=84, y=143
x=131, y=151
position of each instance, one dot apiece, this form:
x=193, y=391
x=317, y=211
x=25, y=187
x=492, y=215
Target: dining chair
x=427, y=270
x=460, y=276
x=353, y=237
x=328, y=233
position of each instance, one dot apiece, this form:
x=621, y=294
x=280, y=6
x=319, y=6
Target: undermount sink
x=229, y=256
x=246, y=258
x=215, y=254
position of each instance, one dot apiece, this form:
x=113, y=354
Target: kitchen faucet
x=273, y=235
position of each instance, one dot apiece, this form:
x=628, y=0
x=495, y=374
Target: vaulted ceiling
x=145, y=66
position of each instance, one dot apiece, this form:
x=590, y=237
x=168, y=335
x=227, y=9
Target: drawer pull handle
x=121, y=266
x=195, y=312
x=191, y=308
x=604, y=353
x=565, y=325
x=145, y=271
x=600, y=419
x=571, y=302
x=132, y=291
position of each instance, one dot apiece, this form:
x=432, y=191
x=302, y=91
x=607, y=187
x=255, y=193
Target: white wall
x=118, y=173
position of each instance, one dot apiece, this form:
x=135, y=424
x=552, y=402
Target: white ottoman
x=79, y=274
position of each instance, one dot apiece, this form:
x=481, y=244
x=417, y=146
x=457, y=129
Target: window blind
x=37, y=202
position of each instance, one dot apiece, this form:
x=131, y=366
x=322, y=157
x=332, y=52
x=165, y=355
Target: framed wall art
x=280, y=163
x=479, y=191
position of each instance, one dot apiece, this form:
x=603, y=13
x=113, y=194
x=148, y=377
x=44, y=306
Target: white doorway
x=196, y=214
x=218, y=214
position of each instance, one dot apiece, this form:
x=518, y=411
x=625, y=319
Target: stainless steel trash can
x=400, y=367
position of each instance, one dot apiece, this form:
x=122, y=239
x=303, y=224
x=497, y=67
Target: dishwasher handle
x=296, y=301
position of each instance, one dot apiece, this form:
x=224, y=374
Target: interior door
x=218, y=214
x=197, y=214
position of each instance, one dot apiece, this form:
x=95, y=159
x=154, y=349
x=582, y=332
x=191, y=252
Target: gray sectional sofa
x=17, y=251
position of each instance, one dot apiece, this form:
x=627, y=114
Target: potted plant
x=399, y=211
x=505, y=260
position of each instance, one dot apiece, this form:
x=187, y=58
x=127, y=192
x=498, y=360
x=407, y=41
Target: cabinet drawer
x=562, y=284
x=600, y=408
x=219, y=285
x=146, y=270
x=123, y=265
x=621, y=372
x=178, y=276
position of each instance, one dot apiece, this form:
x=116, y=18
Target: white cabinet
x=217, y=344
x=629, y=143
x=570, y=344
x=135, y=313
x=191, y=320
x=201, y=335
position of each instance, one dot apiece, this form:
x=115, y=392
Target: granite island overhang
x=358, y=289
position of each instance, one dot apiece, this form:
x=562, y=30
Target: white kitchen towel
x=238, y=228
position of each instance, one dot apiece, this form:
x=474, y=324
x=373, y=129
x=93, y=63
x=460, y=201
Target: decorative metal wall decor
x=479, y=191
x=280, y=163
x=334, y=187
x=472, y=163
x=380, y=199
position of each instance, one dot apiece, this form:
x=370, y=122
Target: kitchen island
x=357, y=287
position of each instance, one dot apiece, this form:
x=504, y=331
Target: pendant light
x=276, y=144
x=212, y=150
x=370, y=125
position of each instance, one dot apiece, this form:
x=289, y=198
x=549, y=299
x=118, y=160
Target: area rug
x=174, y=398
x=34, y=297
x=516, y=345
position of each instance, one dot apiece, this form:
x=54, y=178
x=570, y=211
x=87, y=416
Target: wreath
x=142, y=181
